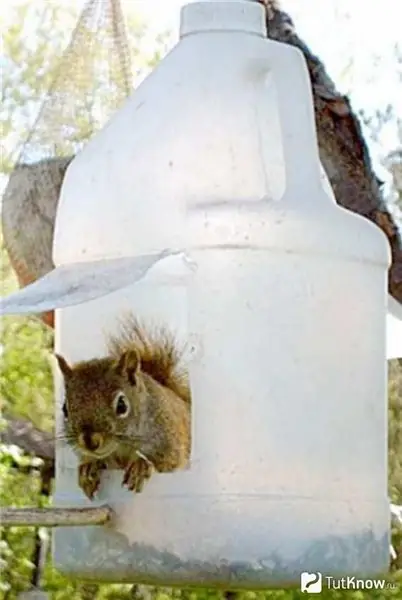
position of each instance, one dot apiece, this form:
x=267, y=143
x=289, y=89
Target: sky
x=354, y=38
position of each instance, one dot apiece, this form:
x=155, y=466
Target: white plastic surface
x=169, y=176
x=394, y=329
x=285, y=313
x=191, y=124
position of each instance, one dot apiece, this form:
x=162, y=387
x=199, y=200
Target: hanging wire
x=92, y=80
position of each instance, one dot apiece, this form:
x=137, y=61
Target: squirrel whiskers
x=130, y=409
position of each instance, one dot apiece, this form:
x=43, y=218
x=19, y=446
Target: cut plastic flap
x=73, y=284
x=68, y=285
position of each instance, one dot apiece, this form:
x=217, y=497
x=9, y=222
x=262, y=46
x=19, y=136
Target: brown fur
x=144, y=366
x=160, y=355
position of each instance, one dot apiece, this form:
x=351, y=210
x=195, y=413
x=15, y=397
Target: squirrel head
x=103, y=399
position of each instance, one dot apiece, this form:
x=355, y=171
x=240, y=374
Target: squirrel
x=130, y=409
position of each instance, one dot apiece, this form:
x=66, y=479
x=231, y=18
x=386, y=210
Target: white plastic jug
x=285, y=306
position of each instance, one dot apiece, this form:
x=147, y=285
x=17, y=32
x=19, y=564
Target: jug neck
x=246, y=16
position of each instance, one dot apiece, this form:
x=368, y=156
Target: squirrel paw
x=89, y=477
x=137, y=473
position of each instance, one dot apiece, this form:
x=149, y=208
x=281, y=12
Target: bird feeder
x=202, y=205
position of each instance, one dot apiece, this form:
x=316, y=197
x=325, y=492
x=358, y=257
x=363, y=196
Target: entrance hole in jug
x=133, y=399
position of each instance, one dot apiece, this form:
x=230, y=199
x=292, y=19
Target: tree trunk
x=31, y=198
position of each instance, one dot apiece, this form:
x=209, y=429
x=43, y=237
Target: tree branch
x=343, y=150
x=33, y=441
x=31, y=198
x=55, y=517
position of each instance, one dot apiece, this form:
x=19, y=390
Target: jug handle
x=297, y=123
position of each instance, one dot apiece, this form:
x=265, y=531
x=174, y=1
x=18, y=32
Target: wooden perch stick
x=55, y=517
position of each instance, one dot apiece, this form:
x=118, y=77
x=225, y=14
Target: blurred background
x=361, y=47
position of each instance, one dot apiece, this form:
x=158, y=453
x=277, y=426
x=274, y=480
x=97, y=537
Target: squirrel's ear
x=63, y=365
x=128, y=365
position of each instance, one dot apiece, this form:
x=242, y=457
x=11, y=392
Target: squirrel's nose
x=91, y=440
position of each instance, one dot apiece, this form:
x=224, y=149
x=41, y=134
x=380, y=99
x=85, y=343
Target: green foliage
x=395, y=431
x=26, y=389
x=17, y=544
x=32, y=46
x=25, y=375
x=82, y=79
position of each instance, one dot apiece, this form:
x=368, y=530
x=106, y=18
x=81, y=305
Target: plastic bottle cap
x=229, y=15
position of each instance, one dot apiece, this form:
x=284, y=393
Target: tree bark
x=32, y=195
x=33, y=441
x=343, y=150
x=55, y=517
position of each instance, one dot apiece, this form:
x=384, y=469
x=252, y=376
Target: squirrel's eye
x=65, y=411
x=121, y=405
